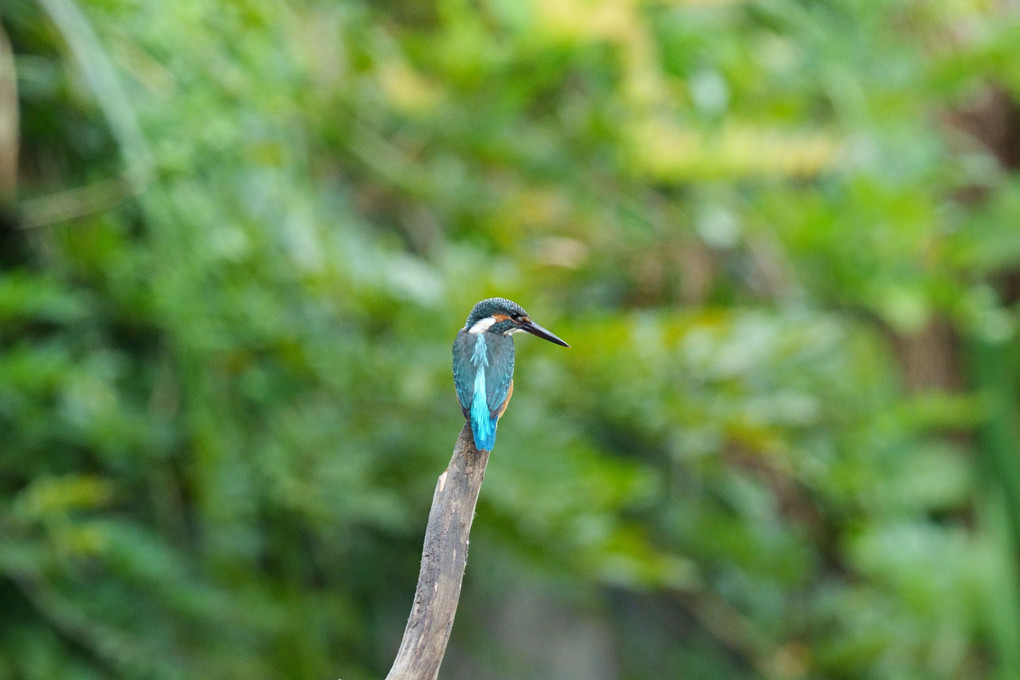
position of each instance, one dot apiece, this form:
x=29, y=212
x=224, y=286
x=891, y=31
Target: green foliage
x=782, y=444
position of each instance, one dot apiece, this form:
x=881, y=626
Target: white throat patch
x=482, y=325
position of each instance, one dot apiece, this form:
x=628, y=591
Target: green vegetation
x=781, y=236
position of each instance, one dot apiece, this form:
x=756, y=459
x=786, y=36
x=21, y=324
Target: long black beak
x=537, y=330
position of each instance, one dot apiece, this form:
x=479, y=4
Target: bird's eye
x=516, y=317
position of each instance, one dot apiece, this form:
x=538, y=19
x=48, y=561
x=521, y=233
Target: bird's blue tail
x=482, y=425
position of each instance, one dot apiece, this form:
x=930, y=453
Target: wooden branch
x=443, y=560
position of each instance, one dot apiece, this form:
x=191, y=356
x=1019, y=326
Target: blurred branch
x=120, y=117
x=999, y=441
x=73, y=203
x=386, y=159
x=8, y=122
x=110, y=96
x=739, y=635
x=121, y=650
x=443, y=559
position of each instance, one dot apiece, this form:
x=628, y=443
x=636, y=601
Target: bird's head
x=503, y=317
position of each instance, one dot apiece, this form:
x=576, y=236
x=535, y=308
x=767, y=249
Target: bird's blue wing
x=464, y=370
x=499, y=374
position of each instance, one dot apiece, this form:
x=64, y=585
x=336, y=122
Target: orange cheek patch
x=500, y=317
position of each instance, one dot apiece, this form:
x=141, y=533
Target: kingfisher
x=483, y=363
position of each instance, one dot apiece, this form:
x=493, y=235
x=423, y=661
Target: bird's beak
x=537, y=330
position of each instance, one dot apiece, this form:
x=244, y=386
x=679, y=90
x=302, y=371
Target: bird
x=483, y=363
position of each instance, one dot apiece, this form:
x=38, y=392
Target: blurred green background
x=781, y=236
